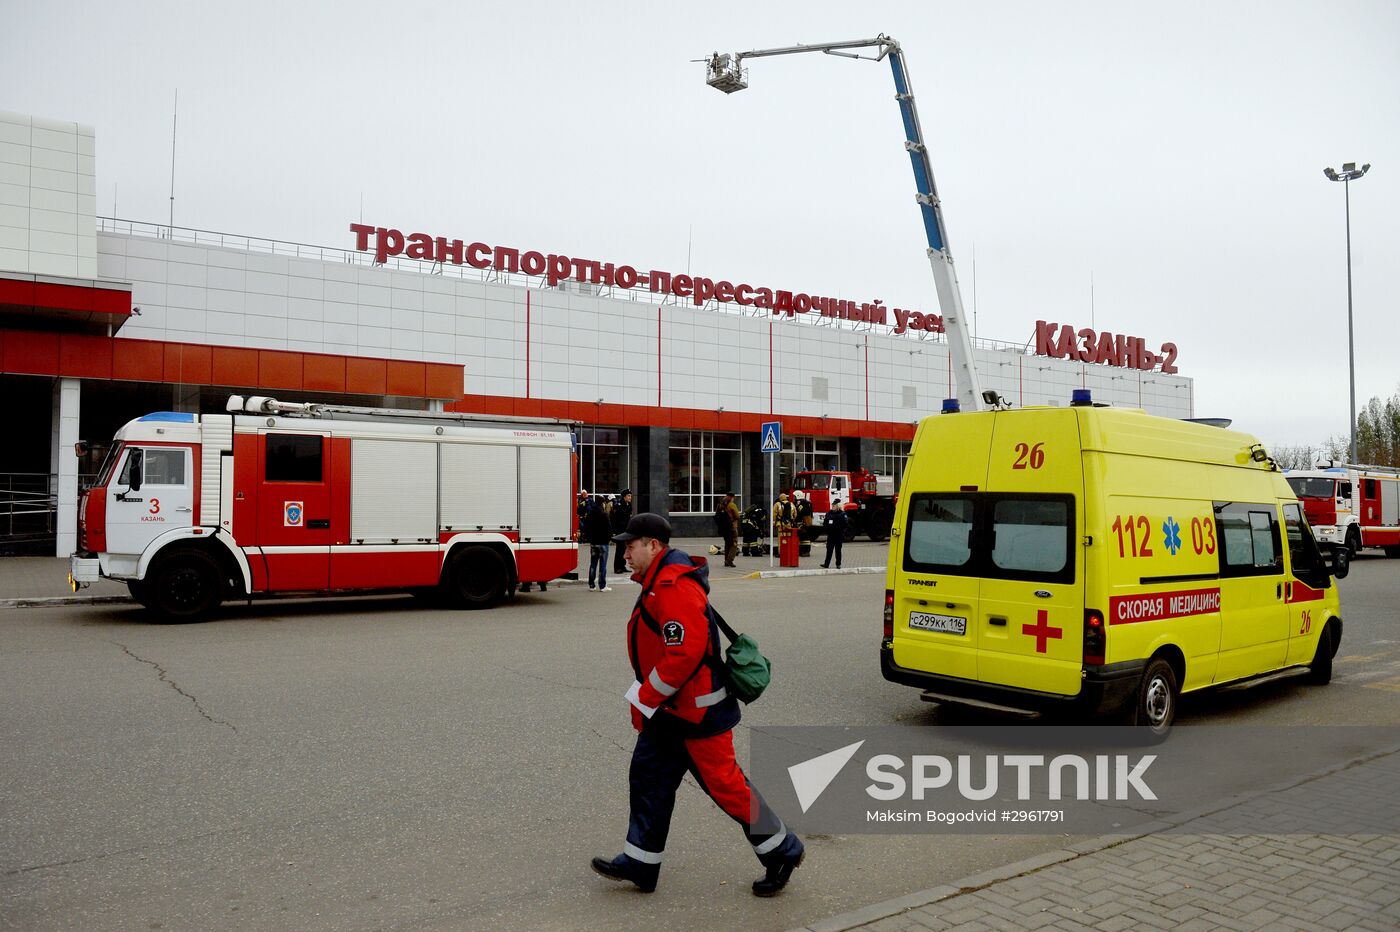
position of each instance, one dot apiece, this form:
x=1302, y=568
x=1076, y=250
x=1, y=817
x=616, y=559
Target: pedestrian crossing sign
x=772, y=434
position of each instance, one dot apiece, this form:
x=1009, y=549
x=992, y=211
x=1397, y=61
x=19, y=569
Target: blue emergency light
x=1080, y=398
x=951, y=406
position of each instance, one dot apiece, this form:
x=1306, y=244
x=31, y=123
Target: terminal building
x=103, y=320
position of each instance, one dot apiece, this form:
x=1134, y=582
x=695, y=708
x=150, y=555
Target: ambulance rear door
x=936, y=581
x=1030, y=622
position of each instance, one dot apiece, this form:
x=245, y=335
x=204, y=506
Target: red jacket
x=674, y=647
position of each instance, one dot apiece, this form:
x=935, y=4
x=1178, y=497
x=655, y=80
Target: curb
x=844, y=571
x=975, y=882
x=57, y=600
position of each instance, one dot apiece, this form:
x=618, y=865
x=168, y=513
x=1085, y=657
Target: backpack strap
x=711, y=656
x=724, y=625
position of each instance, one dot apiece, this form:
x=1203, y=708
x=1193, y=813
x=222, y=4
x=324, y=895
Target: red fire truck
x=274, y=498
x=1351, y=506
x=867, y=499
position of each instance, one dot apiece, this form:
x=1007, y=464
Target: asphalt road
x=370, y=763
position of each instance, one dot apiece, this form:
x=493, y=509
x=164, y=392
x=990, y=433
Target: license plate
x=948, y=624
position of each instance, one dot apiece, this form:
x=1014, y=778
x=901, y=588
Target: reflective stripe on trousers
x=662, y=758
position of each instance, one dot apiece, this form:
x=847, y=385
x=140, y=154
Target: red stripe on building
x=76, y=355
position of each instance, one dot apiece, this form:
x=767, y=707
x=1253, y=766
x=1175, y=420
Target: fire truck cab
x=189, y=510
x=867, y=499
x=1351, y=506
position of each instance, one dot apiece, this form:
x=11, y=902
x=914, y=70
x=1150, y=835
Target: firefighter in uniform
x=684, y=716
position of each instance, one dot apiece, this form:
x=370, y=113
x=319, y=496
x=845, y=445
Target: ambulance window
x=1249, y=537
x=1302, y=548
x=293, y=458
x=940, y=532
x=1031, y=536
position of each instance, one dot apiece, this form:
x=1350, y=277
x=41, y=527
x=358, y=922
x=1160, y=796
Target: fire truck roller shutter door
x=216, y=439
x=480, y=488
x=393, y=516
x=545, y=484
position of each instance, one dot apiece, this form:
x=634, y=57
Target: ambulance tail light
x=1095, y=638
x=889, y=614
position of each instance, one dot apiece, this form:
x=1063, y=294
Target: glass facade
x=802, y=453
x=890, y=458
x=703, y=466
x=602, y=460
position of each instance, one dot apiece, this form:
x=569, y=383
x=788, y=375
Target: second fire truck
x=1351, y=506
x=867, y=499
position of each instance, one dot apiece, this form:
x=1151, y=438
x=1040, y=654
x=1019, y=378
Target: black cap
x=645, y=524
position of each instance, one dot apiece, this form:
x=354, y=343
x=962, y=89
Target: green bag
x=745, y=667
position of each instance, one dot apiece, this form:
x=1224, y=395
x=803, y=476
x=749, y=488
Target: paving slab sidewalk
x=1219, y=870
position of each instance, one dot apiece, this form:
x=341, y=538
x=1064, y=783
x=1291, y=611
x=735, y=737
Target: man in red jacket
x=684, y=716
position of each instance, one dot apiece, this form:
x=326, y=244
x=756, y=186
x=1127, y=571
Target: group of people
x=599, y=520
x=786, y=519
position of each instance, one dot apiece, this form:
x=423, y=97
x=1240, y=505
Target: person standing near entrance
x=684, y=716
x=597, y=531
x=731, y=534
x=620, y=515
x=835, y=523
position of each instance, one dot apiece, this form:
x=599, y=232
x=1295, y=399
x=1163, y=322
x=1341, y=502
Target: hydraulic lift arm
x=727, y=73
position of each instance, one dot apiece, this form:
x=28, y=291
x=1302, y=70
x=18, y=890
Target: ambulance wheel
x=185, y=586
x=477, y=578
x=1154, y=709
x=1320, y=670
x=1353, y=541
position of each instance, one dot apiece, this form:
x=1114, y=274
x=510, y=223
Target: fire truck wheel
x=850, y=533
x=140, y=591
x=477, y=578
x=1392, y=551
x=185, y=586
x=1353, y=541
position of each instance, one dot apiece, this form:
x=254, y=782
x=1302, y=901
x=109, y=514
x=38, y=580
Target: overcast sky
x=1172, y=151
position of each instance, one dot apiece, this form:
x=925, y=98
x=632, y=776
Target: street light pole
x=1347, y=175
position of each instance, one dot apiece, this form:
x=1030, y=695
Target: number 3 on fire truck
x=291, y=514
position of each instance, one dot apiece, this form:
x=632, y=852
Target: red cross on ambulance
x=1042, y=631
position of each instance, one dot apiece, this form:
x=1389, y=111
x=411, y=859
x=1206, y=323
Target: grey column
x=653, y=492
x=857, y=451
x=67, y=398
x=755, y=490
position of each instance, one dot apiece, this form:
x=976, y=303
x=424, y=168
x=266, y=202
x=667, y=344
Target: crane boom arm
x=727, y=74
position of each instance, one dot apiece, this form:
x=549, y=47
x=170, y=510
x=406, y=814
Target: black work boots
x=624, y=868
x=777, y=876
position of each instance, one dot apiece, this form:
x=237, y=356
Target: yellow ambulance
x=1099, y=559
